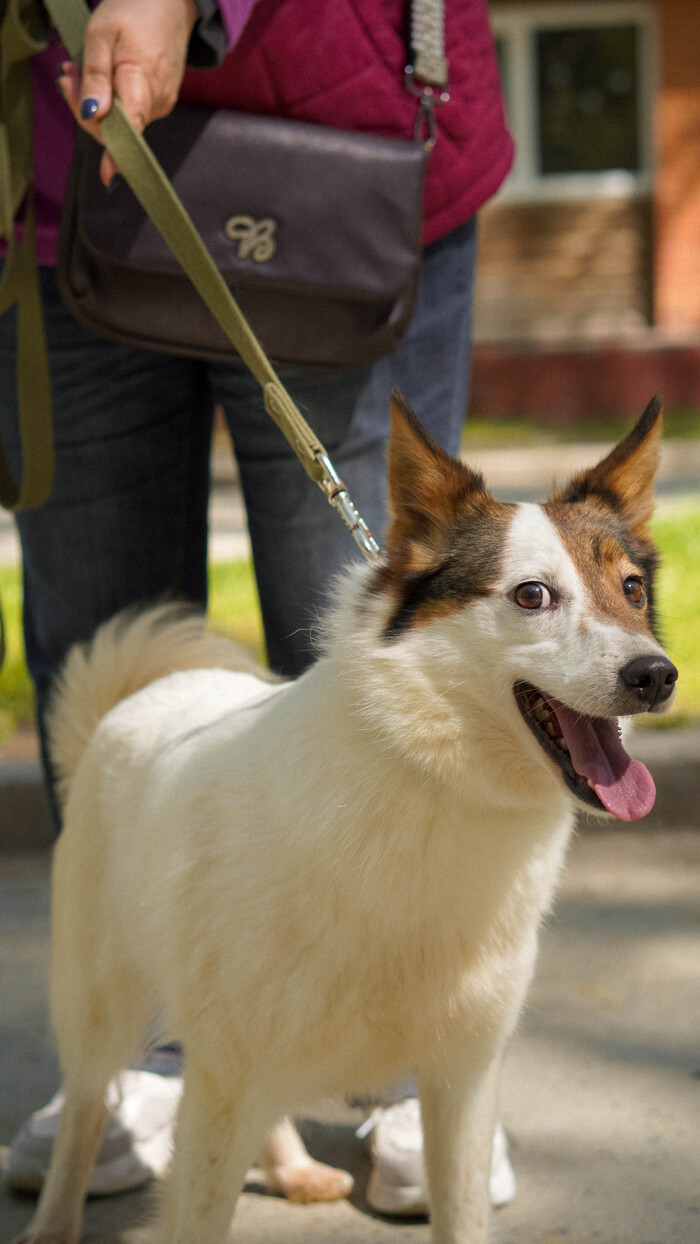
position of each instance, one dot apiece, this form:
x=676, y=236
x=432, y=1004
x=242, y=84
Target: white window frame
x=517, y=24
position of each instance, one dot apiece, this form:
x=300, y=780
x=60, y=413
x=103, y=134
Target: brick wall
x=551, y=271
x=565, y=290
x=677, y=182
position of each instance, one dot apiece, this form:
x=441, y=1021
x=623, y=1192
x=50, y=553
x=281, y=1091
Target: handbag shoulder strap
x=428, y=42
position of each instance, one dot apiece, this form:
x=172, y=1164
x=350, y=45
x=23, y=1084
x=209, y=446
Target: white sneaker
x=137, y=1144
x=398, y=1183
x=502, y=1182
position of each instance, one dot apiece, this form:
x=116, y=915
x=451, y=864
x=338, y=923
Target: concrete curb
x=673, y=756
x=533, y=469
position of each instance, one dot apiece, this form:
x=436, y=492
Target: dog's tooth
x=549, y=728
x=541, y=711
x=563, y=745
x=589, y=783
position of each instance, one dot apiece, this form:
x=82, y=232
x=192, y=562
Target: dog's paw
x=315, y=1182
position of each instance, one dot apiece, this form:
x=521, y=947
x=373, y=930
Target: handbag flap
x=281, y=204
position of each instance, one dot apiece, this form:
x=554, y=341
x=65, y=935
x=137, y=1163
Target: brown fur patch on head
x=444, y=544
x=605, y=553
x=603, y=516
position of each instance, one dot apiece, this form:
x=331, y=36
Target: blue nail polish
x=89, y=107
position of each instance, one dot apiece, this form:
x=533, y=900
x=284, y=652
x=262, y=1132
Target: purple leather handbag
x=317, y=231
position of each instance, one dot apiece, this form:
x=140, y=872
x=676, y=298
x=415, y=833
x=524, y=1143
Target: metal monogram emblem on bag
x=256, y=238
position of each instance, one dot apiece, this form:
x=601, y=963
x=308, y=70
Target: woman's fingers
x=130, y=86
x=97, y=76
x=70, y=86
x=134, y=49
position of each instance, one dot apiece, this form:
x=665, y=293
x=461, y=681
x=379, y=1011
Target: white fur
x=324, y=884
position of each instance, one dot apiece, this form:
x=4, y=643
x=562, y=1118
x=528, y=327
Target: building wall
x=552, y=271
x=677, y=181
x=590, y=307
x=563, y=384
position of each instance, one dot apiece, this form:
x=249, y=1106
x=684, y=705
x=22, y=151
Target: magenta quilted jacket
x=333, y=62
x=340, y=63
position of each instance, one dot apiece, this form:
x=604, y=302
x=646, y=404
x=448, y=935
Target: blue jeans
x=127, y=520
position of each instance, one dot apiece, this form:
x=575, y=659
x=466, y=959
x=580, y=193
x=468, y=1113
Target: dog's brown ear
x=625, y=479
x=427, y=491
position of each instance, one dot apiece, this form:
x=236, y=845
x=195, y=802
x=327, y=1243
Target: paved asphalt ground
x=601, y=1089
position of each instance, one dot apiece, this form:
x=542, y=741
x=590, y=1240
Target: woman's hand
x=135, y=49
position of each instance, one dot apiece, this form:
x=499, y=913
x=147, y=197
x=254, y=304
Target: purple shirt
x=54, y=131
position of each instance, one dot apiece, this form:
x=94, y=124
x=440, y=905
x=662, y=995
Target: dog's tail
x=127, y=653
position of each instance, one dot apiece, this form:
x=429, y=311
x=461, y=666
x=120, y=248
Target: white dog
x=326, y=883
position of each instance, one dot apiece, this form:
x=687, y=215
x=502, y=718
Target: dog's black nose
x=653, y=677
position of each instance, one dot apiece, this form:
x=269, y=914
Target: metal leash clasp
x=429, y=98
x=339, y=497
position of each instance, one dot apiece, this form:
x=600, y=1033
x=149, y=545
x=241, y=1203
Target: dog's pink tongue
x=624, y=786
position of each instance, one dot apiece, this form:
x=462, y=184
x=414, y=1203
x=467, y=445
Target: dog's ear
x=428, y=490
x=625, y=479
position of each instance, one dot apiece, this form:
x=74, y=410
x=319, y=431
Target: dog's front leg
x=58, y=1216
x=458, y=1095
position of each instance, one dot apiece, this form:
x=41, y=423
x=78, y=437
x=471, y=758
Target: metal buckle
x=429, y=98
x=339, y=497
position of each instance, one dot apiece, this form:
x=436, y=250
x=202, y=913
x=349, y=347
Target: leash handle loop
x=24, y=32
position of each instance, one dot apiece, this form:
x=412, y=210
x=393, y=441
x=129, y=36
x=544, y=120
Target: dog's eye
x=633, y=588
x=532, y=596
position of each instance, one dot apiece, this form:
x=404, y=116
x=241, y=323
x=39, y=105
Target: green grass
x=234, y=608
x=678, y=537
x=505, y=433
x=16, y=697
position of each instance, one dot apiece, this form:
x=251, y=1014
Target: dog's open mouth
x=589, y=752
